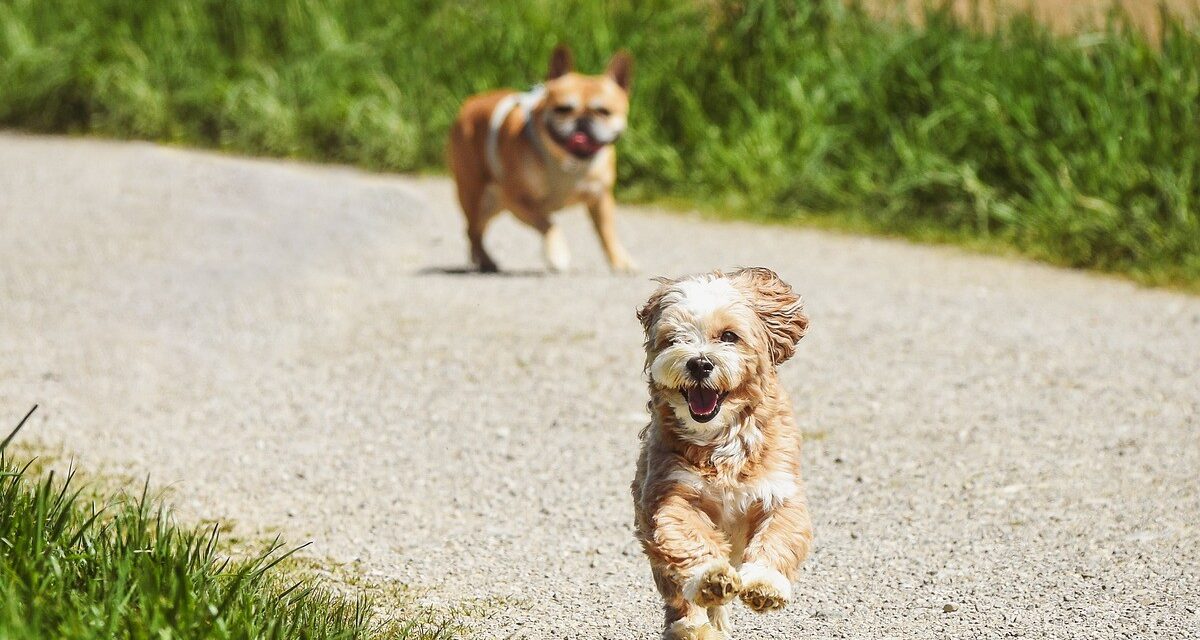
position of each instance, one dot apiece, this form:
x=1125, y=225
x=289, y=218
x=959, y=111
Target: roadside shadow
x=459, y=270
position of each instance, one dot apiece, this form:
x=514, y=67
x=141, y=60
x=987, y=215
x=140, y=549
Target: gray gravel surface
x=995, y=448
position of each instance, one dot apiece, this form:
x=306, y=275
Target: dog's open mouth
x=703, y=403
x=580, y=144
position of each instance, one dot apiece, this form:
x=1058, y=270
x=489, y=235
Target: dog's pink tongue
x=581, y=142
x=702, y=401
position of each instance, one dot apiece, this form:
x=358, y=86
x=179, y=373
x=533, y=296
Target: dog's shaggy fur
x=718, y=498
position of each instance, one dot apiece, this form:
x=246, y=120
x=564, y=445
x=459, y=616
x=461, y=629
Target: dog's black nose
x=699, y=367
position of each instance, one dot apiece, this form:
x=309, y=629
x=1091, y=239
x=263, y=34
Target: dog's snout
x=699, y=367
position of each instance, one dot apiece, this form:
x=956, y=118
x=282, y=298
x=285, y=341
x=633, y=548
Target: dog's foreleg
x=554, y=247
x=603, y=211
x=554, y=250
x=780, y=540
x=684, y=543
x=685, y=620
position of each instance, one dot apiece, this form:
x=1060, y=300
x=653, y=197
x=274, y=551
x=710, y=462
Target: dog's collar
x=526, y=101
x=534, y=138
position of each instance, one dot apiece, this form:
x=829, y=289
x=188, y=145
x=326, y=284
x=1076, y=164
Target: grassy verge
x=72, y=568
x=1077, y=149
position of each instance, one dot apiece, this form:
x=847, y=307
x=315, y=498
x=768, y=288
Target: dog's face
x=711, y=340
x=584, y=114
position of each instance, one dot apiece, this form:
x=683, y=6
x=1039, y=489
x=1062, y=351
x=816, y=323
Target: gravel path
x=995, y=448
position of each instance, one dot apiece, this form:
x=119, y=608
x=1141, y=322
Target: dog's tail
x=718, y=617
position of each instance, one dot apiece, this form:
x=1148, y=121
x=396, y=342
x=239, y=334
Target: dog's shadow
x=459, y=270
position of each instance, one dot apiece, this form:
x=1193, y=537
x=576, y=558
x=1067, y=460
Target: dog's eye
x=563, y=109
x=729, y=336
x=602, y=112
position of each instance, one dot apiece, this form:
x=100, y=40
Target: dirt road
x=995, y=448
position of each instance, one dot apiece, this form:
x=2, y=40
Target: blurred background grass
x=1077, y=146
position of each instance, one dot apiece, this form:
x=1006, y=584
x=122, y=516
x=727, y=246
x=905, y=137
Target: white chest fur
x=734, y=498
x=559, y=183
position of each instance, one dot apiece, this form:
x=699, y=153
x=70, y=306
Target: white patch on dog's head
x=705, y=295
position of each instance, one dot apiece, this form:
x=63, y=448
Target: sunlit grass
x=76, y=567
x=1079, y=149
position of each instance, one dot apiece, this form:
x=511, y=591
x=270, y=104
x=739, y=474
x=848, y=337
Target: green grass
x=73, y=569
x=1082, y=150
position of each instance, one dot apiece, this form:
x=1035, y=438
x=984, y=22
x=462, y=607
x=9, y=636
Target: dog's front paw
x=624, y=265
x=763, y=588
x=763, y=597
x=713, y=585
x=555, y=251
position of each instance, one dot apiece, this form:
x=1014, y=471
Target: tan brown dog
x=718, y=498
x=537, y=152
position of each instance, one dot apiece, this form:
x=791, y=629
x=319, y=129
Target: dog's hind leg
x=488, y=205
x=476, y=193
x=718, y=617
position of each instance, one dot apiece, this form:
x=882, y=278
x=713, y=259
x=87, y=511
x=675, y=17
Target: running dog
x=718, y=497
x=534, y=153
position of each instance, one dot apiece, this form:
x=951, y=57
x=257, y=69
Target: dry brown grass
x=1066, y=16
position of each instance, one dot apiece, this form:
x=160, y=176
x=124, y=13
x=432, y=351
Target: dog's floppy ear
x=649, y=312
x=620, y=69
x=561, y=62
x=780, y=309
